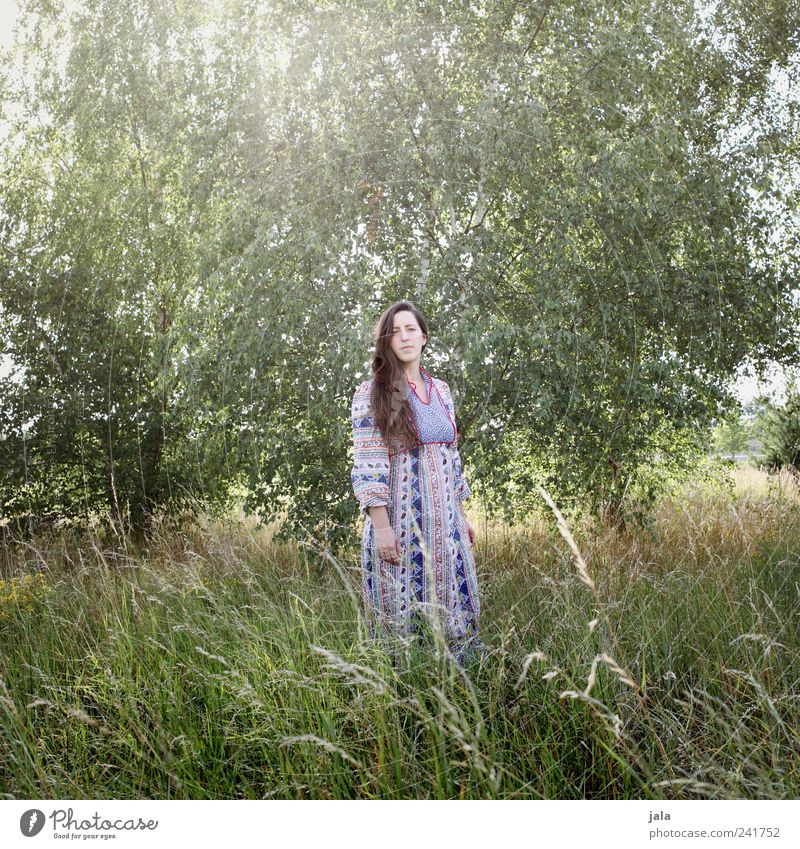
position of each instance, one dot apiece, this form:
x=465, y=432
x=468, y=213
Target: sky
x=8, y=14
x=744, y=387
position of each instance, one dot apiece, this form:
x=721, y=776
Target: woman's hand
x=470, y=533
x=387, y=544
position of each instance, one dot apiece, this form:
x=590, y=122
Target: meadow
x=215, y=662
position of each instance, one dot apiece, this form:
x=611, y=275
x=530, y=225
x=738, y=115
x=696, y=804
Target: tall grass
x=217, y=663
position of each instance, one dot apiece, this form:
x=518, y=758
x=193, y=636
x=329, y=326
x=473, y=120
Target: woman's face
x=406, y=338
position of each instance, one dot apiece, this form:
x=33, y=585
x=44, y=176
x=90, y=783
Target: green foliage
x=780, y=429
x=205, y=206
x=217, y=664
x=732, y=435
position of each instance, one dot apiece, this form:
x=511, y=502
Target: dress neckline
x=428, y=387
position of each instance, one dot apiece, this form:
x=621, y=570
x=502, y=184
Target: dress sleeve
x=462, y=489
x=370, y=472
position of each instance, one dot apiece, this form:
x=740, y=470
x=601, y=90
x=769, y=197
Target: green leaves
x=223, y=199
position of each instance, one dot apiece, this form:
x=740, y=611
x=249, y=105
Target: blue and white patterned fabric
x=433, y=422
x=421, y=489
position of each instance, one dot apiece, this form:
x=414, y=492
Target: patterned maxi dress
x=420, y=488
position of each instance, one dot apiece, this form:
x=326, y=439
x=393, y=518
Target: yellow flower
x=22, y=593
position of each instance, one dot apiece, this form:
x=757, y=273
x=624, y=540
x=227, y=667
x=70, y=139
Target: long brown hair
x=391, y=410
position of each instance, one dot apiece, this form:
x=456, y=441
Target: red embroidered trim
x=414, y=387
x=455, y=429
x=413, y=421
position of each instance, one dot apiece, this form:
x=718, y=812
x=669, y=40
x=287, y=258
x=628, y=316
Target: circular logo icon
x=31, y=822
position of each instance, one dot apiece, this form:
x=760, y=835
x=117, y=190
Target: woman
x=416, y=547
